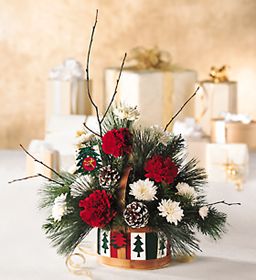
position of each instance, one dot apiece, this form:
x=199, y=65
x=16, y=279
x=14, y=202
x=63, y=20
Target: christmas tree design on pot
x=140, y=248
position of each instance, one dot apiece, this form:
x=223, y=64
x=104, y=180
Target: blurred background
x=35, y=36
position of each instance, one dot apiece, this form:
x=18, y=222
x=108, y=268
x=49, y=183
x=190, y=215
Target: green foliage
x=182, y=238
x=51, y=190
x=66, y=234
x=214, y=224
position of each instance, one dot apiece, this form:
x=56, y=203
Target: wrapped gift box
x=225, y=160
x=196, y=141
x=65, y=127
x=67, y=98
x=212, y=100
x=157, y=94
x=233, y=132
x=44, y=152
x=67, y=92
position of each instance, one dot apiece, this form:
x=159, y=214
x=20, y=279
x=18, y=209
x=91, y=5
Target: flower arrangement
x=129, y=178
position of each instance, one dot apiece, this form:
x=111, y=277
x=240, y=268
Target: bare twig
x=36, y=160
x=93, y=132
x=35, y=176
x=181, y=108
x=223, y=202
x=116, y=87
x=88, y=74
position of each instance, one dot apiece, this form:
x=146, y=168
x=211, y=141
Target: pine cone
x=136, y=214
x=108, y=177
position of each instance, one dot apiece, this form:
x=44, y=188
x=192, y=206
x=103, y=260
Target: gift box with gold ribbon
x=227, y=163
x=153, y=84
x=217, y=95
x=223, y=131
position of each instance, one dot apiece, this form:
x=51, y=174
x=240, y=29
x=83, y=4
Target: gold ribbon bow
x=141, y=58
x=76, y=262
x=219, y=75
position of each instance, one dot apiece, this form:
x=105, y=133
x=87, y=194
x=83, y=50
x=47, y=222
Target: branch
x=115, y=92
x=223, y=202
x=93, y=132
x=34, y=176
x=181, y=108
x=88, y=74
x=36, y=160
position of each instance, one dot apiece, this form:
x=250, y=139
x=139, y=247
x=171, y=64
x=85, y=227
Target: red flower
x=117, y=142
x=97, y=209
x=161, y=169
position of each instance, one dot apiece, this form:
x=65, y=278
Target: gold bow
x=219, y=75
x=235, y=174
x=141, y=58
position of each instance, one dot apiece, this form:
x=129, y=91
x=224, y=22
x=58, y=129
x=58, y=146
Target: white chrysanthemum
x=59, y=208
x=143, y=190
x=187, y=191
x=163, y=136
x=203, y=212
x=126, y=112
x=171, y=210
x=82, y=138
x=72, y=169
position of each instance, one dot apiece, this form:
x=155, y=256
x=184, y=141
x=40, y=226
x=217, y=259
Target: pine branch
x=223, y=202
x=40, y=162
x=172, y=119
x=34, y=176
x=115, y=91
x=88, y=74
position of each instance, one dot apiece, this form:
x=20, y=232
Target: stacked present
x=152, y=83
x=67, y=105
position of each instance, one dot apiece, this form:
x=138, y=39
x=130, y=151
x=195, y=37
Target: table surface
x=26, y=254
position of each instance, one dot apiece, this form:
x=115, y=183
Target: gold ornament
x=219, y=75
x=234, y=174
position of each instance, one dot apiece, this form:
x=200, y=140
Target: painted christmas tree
x=118, y=240
x=162, y=246
x=138, y=248
x=105, y=242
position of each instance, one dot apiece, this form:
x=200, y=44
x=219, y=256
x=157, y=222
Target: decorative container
x=140, y=248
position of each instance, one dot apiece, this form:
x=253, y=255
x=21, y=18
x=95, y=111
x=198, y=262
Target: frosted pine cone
x=136, y=214
x=108, y=177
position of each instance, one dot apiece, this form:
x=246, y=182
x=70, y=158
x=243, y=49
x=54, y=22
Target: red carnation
x=97, y=209
x=117, y=142
x=161, y=169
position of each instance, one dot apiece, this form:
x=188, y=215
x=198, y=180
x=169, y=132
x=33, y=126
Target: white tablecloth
x=26, y=254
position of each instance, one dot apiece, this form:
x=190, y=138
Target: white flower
x=143, y=190
x=126, y=112
x=187, y=191
x=82, y=138
x=59, y=208
x=163, y=136
x=203, y=212
x=171, y=210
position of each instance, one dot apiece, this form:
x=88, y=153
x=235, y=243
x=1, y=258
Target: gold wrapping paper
x=233, y=132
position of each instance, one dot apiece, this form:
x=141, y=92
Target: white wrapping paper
x=158, y=94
